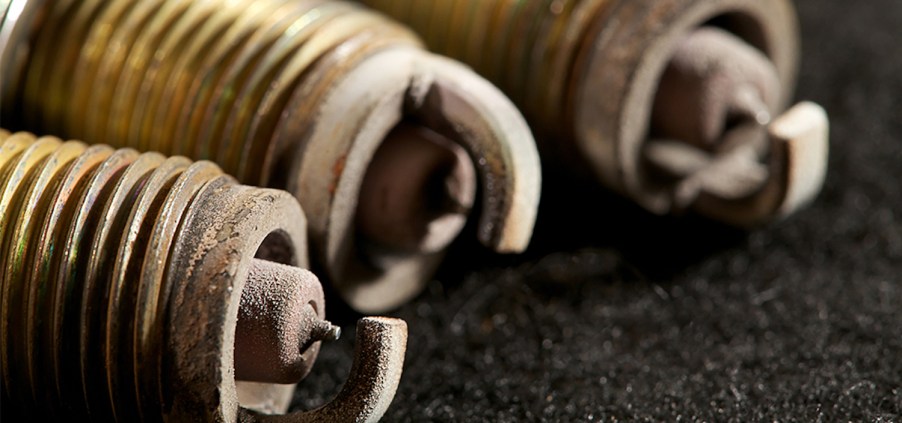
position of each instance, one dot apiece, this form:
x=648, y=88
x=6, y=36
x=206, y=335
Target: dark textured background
x=614, y=314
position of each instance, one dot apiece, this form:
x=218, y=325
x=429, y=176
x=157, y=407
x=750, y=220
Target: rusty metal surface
x=451, y=100
x=275, y=93
x=527, y=48
x=615, y=314
x=587, y=74
x=122, y=276
x=372, y=382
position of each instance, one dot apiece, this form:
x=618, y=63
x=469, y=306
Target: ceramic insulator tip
x=714, y=81
x=280, y=322
x=418, y=191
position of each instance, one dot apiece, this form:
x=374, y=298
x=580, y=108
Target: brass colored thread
x=89, y=241
x=527, y=48
x=215, y=75
x=78, y=213
x=587, y=74
x=296, y=95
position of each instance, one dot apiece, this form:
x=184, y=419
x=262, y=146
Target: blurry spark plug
x=678, y=104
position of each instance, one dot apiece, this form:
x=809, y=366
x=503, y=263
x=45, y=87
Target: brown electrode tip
x=280, y=322
x=417, y=193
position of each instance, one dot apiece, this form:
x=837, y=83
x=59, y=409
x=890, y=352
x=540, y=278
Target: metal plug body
x=140, y=287
x=610, y=85
x=296, y=95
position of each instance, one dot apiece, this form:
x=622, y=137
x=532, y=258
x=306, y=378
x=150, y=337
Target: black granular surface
x=617, y=315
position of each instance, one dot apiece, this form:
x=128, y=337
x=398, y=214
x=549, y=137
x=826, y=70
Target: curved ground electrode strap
x=625, y=59
x=799, y=149
x=395, y=85
x=371, y=385
x=489, y=126
x=804, y=133
x=222, y=232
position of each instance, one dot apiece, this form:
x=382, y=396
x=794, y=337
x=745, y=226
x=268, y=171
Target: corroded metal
x=122, y=292
x=588, y=74
x=378, y=359
x=297, y=95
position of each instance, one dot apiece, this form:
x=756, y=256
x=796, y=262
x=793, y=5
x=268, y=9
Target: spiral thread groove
x=85, y=237
x=215, y=75
x=528, y=48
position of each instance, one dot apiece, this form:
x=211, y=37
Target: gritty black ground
x=617, y=315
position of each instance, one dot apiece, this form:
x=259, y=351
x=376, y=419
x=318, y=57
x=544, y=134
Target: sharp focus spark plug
x=321, y=98
x=140, y=287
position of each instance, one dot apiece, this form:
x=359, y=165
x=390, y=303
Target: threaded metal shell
x=90, y=244
x=296, y=95
x=586, y=72
x=537, y=50
x=528, y=48
x=216, y=76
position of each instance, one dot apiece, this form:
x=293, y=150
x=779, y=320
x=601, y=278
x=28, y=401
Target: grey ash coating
x=622, y=316
x=712, y=100
x=279, y=324
x=371, y=382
